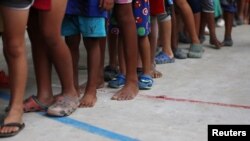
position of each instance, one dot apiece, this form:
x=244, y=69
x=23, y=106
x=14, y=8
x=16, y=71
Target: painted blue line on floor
x=93, y=129
x=84, y=126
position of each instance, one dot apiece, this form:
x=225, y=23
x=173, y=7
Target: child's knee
x=14, y=49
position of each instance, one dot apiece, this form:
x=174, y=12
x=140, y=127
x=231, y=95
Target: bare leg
x=57, y=48
x=153, y=45
x=42, y=64
x=228, y=24
x=73, y=43
x=188, y=19
x=144, y=48
x=93, y=60
x=127, y=25
x=14, y=47
x=208, y=18
x=100, y=81
x=165, y=37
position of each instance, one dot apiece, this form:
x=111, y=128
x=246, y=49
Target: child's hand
x=106, y=4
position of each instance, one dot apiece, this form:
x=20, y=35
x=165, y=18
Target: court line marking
x=163, y=97
x=83, y=125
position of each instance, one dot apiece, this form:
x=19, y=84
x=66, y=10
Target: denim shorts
x=18, y=4
x=87, y=26
x=207, y=6
x=229, y=5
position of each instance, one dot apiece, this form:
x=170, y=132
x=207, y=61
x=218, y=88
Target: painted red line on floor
x=162, y=97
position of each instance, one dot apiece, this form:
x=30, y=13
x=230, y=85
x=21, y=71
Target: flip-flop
x=32, y=104
x=20, y=127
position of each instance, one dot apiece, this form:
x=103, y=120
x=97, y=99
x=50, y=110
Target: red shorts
x=42, y=4
x=157, y=7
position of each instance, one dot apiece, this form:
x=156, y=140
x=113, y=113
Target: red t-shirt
x=157, y=7
x=42, y=4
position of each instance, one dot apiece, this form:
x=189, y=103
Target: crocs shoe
x=163, y=58
x=180, y=53
x=145, y=82
x=64, y=106
x=195, y=51
x=32, y=104
x=227, y=42
x=110, y=73
x=117, y=82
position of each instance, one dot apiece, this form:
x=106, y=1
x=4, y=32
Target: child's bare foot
x=83, y=86
x=88, y=100
x=128, y=92
x=14, y=117
x=156, y=74
x=216, y=43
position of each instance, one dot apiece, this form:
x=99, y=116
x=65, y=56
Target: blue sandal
x=163, y=58
x=117, y=82
x=145, y=82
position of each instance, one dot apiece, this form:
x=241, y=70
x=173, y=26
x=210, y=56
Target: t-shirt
x=88, y=8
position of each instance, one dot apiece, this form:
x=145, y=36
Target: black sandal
x=10, y=134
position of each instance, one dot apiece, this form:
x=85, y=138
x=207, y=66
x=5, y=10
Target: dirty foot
x=128, y=92
x=216, y=43
x=88, y=100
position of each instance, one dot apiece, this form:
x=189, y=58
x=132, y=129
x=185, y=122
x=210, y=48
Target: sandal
x=64, y=106
x=32, y=104
x=163, y=58
x=195, y=51
x=20, y=127
x=118, y=82
x=145, y=82
x=110, y=73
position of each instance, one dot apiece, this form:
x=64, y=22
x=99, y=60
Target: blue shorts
x=87, y=26
x=195, y=5
x=229, y=5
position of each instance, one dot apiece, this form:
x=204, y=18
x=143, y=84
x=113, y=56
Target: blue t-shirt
x=88, y=8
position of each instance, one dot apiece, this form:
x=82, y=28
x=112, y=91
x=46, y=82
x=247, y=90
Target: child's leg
x=209, y=19
x=73, y=43
x=188, y=19
x=93, y=62
x=228, y=16
x=165, y=36
x=42, y=64
x=153, y=45
x=113, y=43
x=229, y=9
x=144, y=48
x=14, y=47
x=126, y=22
x=57, y=48
x=102, y=45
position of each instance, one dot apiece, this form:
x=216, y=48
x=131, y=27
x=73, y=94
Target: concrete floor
x=192, y=94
